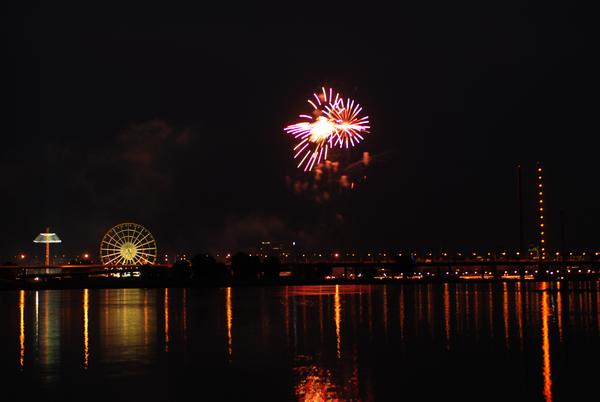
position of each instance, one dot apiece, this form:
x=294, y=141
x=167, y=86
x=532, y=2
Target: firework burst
x=349, y=126
x=333, y=122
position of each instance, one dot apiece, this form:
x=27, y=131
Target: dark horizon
x=176, y=123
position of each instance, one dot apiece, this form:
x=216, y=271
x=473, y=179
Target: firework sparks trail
x=333, y=122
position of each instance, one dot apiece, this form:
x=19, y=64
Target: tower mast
x=541, y=211
x=520, y=198
x=47, y=259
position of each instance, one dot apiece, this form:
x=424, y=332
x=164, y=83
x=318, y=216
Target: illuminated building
x=276, y=249
x=47, y=238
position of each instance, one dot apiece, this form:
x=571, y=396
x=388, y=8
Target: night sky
x=173, y=118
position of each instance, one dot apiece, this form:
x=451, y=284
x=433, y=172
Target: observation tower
x=47, y=238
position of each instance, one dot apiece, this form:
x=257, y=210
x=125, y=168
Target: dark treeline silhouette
x=405, y=265
x=247, y=268
x=318, y=271
x=250, y=268
x=204, y=269
x=200, y=269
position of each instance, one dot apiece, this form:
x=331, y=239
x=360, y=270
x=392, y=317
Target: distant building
x=282, y=249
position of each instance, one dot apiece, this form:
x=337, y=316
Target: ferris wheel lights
x=128, y=244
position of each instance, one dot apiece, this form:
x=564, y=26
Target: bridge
x=460, y=268
x=441, y=270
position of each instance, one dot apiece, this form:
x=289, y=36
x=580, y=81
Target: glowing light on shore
x=333, y=122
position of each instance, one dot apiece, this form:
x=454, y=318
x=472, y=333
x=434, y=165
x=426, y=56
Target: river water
x=451, y=342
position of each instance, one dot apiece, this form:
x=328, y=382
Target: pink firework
x=349, y=126
x=333, y=122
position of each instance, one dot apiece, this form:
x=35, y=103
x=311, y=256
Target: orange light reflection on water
x=315, y=384
x=519, y=311
x=546, y=369
x=86, y=344
x=385, y=310
x=337, y=317
x=145, y=317
x=37, y=317
x=447, y=315
x=559, y=311
x=229, y=314
x=185, y=314
x=402, y=315
x=505, y=313
x=476, y=311
x=166, y=320
x=22, y=329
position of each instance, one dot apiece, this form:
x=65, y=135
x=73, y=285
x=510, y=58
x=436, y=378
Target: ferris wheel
x=128, y=244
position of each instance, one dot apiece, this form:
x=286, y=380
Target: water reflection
x=338, y=342
x=546, y=369
x=518, y=301
x=476, y=311
x=166, y=302
x=22, y=329
x=490, y=316
x=50, y=339
x=184, y=302
x=131, y=325
x=385, y=309
x=505, y=313
x=229, y=317
x=446, y=314
x=559, y=312
x=320, y=374
x=145, y=318
x=338, y=319
x=37, y=318
x=86, y=340
x=314, y=384
x=401, y=302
